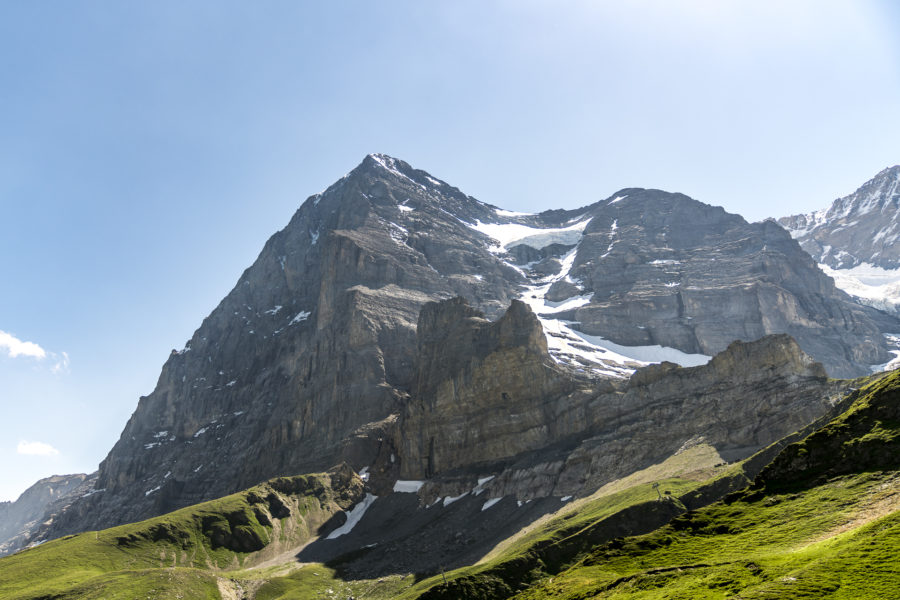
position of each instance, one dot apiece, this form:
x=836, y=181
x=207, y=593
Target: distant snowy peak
x=863, y=227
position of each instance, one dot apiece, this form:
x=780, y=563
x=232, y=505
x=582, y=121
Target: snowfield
x=589, y=354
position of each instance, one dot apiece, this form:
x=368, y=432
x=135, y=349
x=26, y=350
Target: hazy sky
x=148, y=149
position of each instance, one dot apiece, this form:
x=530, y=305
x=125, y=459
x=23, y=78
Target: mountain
x=344, y=342
x=855, y=240
x=46, y=497
x=860, y=228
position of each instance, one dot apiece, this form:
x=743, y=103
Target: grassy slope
x=821, y=520
x=179, y=554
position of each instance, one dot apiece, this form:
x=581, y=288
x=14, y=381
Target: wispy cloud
x=62, y=364
x=15, y=347
x=36, y=449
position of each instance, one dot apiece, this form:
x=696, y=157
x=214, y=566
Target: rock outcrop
x=485, y=391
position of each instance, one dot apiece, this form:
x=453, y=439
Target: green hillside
x=181, y=554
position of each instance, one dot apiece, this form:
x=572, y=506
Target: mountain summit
x=860, y=228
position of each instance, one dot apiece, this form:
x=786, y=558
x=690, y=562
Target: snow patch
x=300, y=316
x=408, y=486
x=482, y=481
x=893, y=339
x=201, y=431
x=510, y=213
x=512, y=234
x=451, y=499
x=273, y=311
x=156, y=489
x=490, y=503
x=871, y=285
x=586, y=353
x=353, y=517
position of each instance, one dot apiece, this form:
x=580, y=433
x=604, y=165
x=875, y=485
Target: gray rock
x=863, y=227
x=36, y=506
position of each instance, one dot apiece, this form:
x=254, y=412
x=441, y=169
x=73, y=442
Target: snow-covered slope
x=567, y=345
x=855, y=240
x=863, y=227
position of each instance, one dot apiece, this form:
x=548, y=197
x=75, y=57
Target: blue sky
x=148, y=150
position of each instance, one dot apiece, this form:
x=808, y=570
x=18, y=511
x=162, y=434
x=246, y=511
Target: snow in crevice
x=482, y=481
x=391, y=165
x=490, y=503
x=451, y=499
x=300, y=316
x=398, y=234
x=612, y=238
x=354, y=516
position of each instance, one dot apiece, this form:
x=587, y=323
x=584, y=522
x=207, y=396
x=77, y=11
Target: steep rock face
x=37, y=504
x=485, y=390
x=312, y=349
x=863, y=227
x=747, y=397
x=664, y=269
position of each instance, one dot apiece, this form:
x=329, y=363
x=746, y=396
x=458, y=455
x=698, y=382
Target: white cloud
x=36, y=449
x=15, y=347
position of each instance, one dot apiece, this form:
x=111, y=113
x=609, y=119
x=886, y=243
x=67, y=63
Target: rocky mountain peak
x=863, y=227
